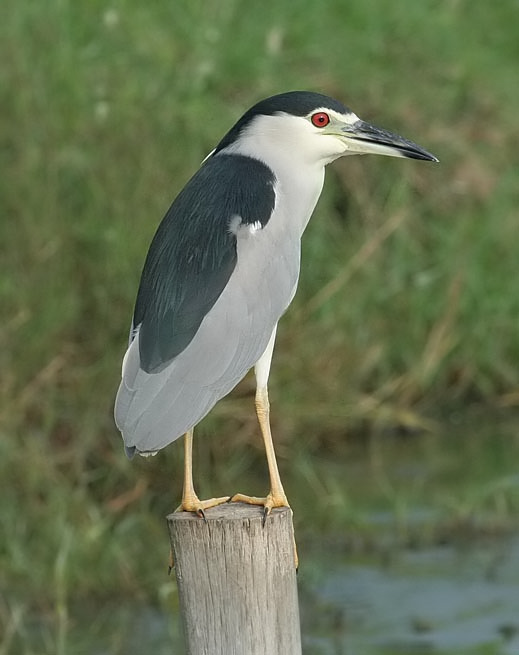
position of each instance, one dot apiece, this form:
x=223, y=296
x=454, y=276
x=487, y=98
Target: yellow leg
x=276, y=496
x=190, y=501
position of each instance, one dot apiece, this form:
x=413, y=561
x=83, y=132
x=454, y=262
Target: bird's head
x=312, y=128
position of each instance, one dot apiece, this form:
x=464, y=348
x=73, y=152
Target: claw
x=269, y=502
x=197, y=506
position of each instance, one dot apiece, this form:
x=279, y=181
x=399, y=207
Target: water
x=447, y=599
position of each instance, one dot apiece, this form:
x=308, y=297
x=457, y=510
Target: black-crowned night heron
x=223, y=268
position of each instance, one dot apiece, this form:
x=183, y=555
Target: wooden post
x=237, y=581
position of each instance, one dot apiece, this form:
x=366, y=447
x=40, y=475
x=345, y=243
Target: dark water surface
x=446, y=599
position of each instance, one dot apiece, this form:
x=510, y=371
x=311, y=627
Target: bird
x=222, y=269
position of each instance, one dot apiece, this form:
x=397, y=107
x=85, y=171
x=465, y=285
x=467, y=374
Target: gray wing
x=193, y=253
x=192, y=312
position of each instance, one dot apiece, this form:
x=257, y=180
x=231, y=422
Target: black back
x=193, y=253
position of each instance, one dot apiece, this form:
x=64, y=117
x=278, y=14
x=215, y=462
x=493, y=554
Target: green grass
x=407, y=307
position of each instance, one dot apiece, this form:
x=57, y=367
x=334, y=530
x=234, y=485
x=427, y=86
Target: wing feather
x=191, y=314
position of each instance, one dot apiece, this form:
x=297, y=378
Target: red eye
x=321, y=119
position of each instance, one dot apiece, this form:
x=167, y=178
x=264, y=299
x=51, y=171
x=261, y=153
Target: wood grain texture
x=237, y=581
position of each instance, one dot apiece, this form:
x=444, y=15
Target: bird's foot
x=268, y=503
x=193, y=504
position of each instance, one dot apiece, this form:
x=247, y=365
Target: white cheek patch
x=254, y=227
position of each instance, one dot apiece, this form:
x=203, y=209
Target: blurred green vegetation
x=407, y=308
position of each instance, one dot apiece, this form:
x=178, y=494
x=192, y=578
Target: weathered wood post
x=237, y=581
